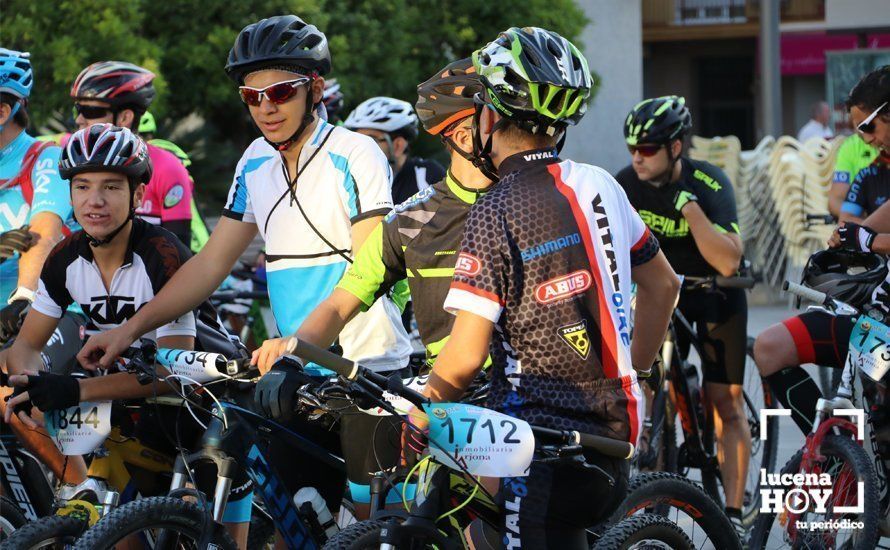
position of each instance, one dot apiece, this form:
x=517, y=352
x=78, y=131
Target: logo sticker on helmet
x=563, y=287
x=575, y=335
x=467, y=265
x=173, y=196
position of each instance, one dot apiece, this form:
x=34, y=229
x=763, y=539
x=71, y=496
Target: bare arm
x=461, y=359
x=723, y=251
x=48, y=228
x=879, y=220
x=361, y=230
x=123, y=385
x=25, y=351
x=189, y=286
x=657, y=290
x=836, y=195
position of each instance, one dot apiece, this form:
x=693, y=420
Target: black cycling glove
x=16, y=240
x=11, y=317
x=855, y=237
x=49, y=392
x=276, y=391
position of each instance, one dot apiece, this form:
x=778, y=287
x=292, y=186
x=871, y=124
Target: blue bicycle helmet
x=16, y=75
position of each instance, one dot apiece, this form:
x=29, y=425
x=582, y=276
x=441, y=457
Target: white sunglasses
x=867, y=126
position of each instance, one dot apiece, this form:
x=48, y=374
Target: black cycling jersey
x=870, y=189
x=546, y=256
x=416, y=175
x=656, y=206
x=71, y=275
x=418, y=241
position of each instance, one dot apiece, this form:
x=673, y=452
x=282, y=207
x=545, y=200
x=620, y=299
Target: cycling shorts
x=370, y=444
x=720, y=319
x=552, y=506
x=820, y=337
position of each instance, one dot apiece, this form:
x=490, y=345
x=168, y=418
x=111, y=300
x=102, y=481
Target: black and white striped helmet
x=386, y=114
x=119, y=83
x=106, y=148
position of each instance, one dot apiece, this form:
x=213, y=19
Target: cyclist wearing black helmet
x=689, y=205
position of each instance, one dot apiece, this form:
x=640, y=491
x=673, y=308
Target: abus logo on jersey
x=563, y=287
x=467, y=265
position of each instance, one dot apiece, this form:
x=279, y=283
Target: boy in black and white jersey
x=111, y=268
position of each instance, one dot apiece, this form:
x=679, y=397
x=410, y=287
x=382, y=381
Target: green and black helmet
x=659, y=120
x=535, y=78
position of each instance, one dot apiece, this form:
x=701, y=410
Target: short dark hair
x=21, y=118
x=871, y=91
x=514, y=134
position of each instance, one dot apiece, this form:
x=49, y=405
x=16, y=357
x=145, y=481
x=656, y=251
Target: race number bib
x=200, y=366
x=481, y=441
x=81, y=429
x=400, y=404
x=870, y=347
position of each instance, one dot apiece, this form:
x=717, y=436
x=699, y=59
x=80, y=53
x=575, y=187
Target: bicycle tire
x=644, y=531
x=11, y=518
x=852, y=454
x=170, y=514
x=657, y=492
x=50, y=532
x=364, y=535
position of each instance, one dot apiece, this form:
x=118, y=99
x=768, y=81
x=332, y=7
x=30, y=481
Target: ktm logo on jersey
x=117, y=309
x=563, y=287
x=467, y=265
x=575, y=335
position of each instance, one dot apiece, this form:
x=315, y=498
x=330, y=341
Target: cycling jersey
x=546, y=256
x=416, y=175
x=50, y=195
x=852, y=156
x=70, y=275
x=343, y=178
x=418, y=240
x=656, y=207
x=869, y=189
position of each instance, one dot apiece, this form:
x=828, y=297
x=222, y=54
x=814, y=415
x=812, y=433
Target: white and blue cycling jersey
x=343, y=178
x=51, y=194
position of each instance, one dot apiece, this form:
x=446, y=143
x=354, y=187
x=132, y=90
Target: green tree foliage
x=379, y=47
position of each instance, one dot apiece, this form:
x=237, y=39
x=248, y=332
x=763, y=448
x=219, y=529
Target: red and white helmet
x=106, y=148
x=119, y=83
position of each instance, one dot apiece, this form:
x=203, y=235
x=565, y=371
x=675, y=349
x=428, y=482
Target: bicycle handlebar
x=605, y=445
x=719, y=281
x=805, y=292
x=232, y=295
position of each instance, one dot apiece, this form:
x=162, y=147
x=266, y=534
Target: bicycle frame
x=23, y=477
x=241, y=440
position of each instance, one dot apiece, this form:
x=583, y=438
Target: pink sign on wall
x=803, y=54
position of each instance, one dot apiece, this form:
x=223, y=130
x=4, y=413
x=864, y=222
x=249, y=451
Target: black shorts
x=820, y=337
x=370, y=444
x=554, y=505
x=720, y=319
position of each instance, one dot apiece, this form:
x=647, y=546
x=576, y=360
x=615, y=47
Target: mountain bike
x=843, y=459
x=682, y=395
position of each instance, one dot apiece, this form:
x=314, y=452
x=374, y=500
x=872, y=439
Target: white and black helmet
x=386, y=114
x=106, y=148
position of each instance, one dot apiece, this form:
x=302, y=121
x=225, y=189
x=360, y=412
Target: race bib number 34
x=81, y=429
x=481, y=441
x=870, y=347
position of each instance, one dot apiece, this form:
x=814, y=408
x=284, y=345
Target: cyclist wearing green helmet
x=690, y=206
x=147, y=129
x=543, y=273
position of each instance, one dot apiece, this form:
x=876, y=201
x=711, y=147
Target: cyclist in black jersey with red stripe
x=543, y=277
x=689, y=205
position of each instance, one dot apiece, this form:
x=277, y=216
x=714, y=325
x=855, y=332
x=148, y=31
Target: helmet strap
x=15, y=109
x=482, y=152
x=308, y=118
x=390, y=151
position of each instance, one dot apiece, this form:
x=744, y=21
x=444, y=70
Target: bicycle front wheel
x=647, y=531
x=47, y=533
x=181, y=524
x=364, y=535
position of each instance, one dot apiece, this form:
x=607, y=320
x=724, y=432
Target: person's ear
x=138, y=195
x=399, y=145
x=317, y=90
x=125, y=119
x=676, y=148
x=5, y=113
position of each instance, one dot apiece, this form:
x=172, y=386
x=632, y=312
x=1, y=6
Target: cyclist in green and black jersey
x=420, y=238
x=690, y=207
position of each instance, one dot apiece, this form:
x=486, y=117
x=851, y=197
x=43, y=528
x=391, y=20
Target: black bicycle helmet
x=283, y=40
x=106, y=148
x=447, y=97
x=118, y=83
x=850, y=277
x=659, y=120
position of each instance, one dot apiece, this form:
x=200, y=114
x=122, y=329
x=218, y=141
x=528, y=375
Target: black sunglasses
x=92, y=112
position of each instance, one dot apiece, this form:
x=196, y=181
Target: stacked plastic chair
x=778, y=185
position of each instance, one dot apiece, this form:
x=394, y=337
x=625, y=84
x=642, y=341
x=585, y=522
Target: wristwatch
x=21, y=293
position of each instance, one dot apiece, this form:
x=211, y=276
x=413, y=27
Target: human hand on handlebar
x=276, y=392
x=43, y=390
x=103, y=349
x=852, y=236
x=415, y=438
x=271, y=350
x=16, y=240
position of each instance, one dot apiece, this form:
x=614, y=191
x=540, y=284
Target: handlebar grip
x=734, y=282
x=805, y=292
x=607, y=446
x=342, y=366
